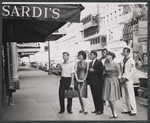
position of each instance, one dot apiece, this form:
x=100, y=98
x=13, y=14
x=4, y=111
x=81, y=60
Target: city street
x=37, y=100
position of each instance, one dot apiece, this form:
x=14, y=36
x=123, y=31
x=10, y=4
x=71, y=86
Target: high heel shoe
x=113, y=116
x=116, y=116
x=86, y=112
x=81, y=111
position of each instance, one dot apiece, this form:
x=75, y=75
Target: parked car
x=41, y=65
x=24, y=64
x=56, y=69
x=46, y=67
x=34, y=64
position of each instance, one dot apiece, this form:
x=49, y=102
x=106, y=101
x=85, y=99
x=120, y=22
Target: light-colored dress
x=111, y=89
x=81, y=72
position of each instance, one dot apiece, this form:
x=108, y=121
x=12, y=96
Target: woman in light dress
x=111, y=89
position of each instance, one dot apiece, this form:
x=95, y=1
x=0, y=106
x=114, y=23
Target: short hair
x=82, y=53
x=66, y=53
x=126, y=48
x=111, y=54
x=104, y=50
x=94, y=52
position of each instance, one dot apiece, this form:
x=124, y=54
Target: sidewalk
x=37, y=100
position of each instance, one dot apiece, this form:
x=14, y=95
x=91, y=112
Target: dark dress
x=81, y=72
x=111, y=89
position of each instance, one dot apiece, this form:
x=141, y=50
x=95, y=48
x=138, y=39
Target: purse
x=71, y=93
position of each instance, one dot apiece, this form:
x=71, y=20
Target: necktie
x=92, y=64
x=124, y=61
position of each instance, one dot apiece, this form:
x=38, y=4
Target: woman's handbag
x=71, y=93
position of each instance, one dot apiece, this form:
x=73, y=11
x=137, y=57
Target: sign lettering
x=30, y=11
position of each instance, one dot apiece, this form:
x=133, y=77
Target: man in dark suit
x=95, y=81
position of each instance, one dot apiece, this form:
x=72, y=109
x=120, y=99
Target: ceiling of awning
x=27, y=28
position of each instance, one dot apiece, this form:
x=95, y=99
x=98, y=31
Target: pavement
x=37, y=100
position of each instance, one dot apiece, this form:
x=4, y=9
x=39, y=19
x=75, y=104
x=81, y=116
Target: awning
x=35, y=22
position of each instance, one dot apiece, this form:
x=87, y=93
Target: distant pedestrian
x=81, y=71
x=145, y=59
x=104, y=60
x=66, y=81
x=128, y=95
x=111, y=89
x=139, y=63
x=95, y=80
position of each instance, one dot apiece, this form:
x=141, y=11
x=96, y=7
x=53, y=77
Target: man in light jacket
x=128, y=95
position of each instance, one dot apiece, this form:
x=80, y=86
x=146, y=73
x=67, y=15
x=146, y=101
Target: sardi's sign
x=53, y=12
x=34, y=11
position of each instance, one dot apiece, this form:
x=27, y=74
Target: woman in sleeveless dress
x=81, y=71
x=111, y=89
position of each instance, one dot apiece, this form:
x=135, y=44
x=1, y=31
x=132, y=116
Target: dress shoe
x=70, y=112
x=132, y=114
x=94, y=111
x=81, y=111
x=61, y=112
x=128, y=112
x=99, y=113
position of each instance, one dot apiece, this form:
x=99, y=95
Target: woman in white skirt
x=111, y=90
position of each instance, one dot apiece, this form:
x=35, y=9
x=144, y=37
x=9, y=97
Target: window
x=112, y=35
x=115, y=16
x=103, y=21
x=93, y=41
x=98, y=39
x=110, y=17
x=103, y=39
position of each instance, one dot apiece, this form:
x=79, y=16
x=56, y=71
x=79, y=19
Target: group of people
x=107, y=79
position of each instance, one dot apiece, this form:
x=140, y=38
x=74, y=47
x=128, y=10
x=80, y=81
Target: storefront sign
x=53, y=12
x=127, y=32
x=136, y=28
x=30, y=11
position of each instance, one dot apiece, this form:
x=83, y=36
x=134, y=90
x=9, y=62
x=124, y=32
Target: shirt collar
x=68, y=62
x=94, y=60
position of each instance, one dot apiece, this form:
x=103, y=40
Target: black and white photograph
x=74, y=61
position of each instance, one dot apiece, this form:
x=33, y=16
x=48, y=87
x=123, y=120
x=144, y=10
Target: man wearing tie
x=95, y=80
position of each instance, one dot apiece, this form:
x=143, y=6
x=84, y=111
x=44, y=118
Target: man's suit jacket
x=105, y=60
x=96, y=77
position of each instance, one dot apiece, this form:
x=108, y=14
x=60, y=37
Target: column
x=14, y=66
x=49, y=59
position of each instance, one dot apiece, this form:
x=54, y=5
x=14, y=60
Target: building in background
x=112, y=26
x=102, y=30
